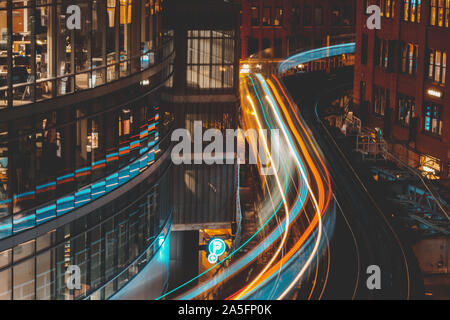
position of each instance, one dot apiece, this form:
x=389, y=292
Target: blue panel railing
x=30, y=218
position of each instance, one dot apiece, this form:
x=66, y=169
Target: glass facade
x=56, y=158
x=210, y=59
x=52, y=165
x=41, y=57
x=54, y=161
x=110, y=246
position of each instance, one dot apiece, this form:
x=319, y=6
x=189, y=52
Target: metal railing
x=30, y=218
x=67, y=83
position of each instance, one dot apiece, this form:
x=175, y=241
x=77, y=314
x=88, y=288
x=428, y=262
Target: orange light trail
x=321, y=209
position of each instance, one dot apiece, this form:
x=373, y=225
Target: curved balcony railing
x=110, y=246
x=32, y=90
x=134, y=267
x=147, y=145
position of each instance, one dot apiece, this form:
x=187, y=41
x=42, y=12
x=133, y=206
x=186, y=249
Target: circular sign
x=216, y=248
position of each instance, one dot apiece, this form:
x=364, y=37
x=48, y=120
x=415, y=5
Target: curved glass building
x=84, y=165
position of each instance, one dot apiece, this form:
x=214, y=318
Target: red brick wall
x=427, y=37
x=307, y=36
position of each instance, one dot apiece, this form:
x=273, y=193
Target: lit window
x=408, y=58
x=430, y=166
x=255, y=16
x=384, y=51
x=210, y=59
x=387, y=8
x=411, y=10
x=439, y=12
x=437, y=66
x=266, y=19
x=432, y=118
x=381, y=100
x=406, y=108
x=278, y=21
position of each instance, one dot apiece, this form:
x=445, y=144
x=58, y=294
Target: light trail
x=310, y=229
x=318, y=202
x=248, y=257
x=316, y=205
x=283, y=240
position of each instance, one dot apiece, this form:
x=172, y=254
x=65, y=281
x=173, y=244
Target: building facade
x=281, y=27
x=84, y=145
x=205, y=95
x=401, y=81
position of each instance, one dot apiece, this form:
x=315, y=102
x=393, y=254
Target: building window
x=296, y=15
x=266, y=18
x=307, y=16
x=384, y=50
x=387, y=8
x=362, y=92
x=430, y=167
x=318, y=16
x=437, y=66
x=252, y=46
x=210, y=59
x=278, y=21
x=255, y=16
x=380, y=100
x=347, y=16
x=364, y=46
x=432, y=118
x=439, y=13
x=411, y=10
x=406, y=109
x=335, y=16
x=48, y=59
x=408, y=58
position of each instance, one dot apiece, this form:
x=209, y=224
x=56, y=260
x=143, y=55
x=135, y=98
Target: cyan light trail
x=316, y=54
x=260, y=248
x=302, y=258
x=303, y=57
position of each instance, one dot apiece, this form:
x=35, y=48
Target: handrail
x=52, y=205
x=168, y=225
x=74, y=236
x=95, y=114
x=90, y=69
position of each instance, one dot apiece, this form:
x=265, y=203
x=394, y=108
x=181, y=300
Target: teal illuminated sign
x=216, y=248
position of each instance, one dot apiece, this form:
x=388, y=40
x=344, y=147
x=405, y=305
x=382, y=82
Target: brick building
x=282, y=27
x=401, y=83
